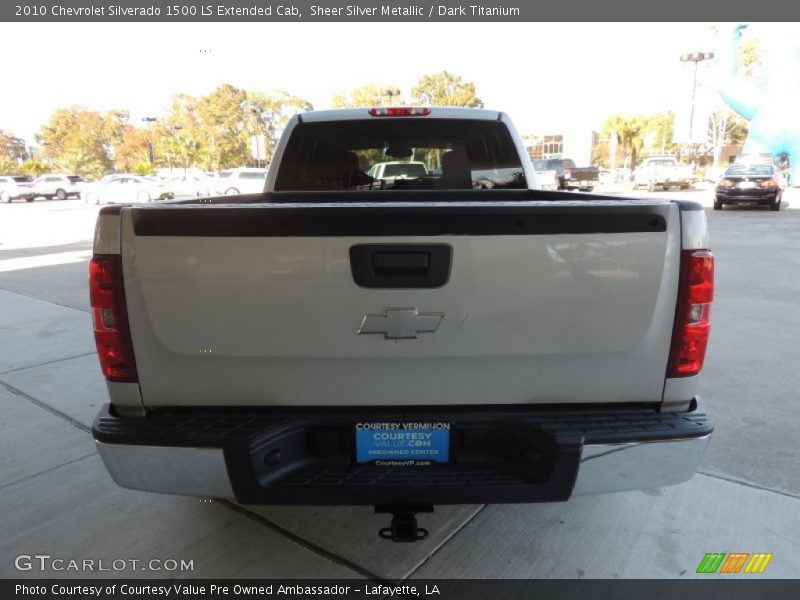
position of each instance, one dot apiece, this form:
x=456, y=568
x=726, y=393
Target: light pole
x=696, y=58
x=391, y=92
x=150, y=152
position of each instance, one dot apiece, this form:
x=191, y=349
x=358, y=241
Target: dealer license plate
x=402, y=443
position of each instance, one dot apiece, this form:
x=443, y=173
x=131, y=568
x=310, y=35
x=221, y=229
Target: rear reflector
x=692, y=325
x=400, y=111
x=110, y=317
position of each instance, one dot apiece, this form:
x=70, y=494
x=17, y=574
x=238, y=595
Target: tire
x=231, y=192
x=651, y=187
x=30, y=198
x=776, y=206
x=717, y=205
x=61, y=194
x=5, y=197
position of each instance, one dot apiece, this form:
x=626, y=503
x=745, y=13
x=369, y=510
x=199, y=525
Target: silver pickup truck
x=459, y=336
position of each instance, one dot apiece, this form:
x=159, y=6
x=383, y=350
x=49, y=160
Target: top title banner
x=394, y=10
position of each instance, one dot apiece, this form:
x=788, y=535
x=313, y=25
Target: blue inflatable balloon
x=773, y=107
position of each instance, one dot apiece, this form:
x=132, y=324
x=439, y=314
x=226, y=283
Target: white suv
x=241, y=181
x=15, y=186
x=58, y=186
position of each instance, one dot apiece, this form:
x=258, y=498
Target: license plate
x=403, y=443
x=747, y=185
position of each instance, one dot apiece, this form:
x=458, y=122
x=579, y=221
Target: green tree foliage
x=637, y=136
x=33, y=168
x=12, y=152
x=368, y=95
x=445, y=89
x=211, y=132
x=75, y=140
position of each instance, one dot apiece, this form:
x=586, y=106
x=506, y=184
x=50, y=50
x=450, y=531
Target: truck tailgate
x=545, y=302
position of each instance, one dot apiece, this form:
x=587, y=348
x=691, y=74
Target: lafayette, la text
x=192, y=589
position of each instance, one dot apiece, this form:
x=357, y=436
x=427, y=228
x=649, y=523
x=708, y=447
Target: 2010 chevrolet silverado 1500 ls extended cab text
x=453, y=336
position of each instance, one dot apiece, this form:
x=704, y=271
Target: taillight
x=765, y=183
x=110, y=317
x=692, y=325
x=727, y=183
x=567, y=172
x=400, y=111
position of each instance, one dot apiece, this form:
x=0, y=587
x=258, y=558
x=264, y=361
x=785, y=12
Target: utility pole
x=150, y=152
x=696, y=58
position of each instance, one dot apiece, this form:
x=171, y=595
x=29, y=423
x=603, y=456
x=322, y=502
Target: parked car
x=13, y=187
x=123, y=188
x=745, y=183
x=662, y=172
x=241, y=181
x=571, y=177
x=58, y=186
x=191, y=185
x=384, y=174
x=402, y=348
x=546, y=177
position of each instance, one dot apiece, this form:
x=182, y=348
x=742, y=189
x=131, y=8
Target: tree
x=367, y=95
x=270, y=113
x=445, y=89
x=33, y=168
x=131, y=149
x=630, y=131
x=75, y=140
x=12, y=149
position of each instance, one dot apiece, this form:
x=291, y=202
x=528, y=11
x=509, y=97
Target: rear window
x=750, y=171
x=449, y=154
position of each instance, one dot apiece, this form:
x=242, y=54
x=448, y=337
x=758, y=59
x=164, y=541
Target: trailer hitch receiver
x=404, y=527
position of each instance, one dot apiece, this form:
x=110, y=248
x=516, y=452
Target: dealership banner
x=752, y=588
x=394, y=10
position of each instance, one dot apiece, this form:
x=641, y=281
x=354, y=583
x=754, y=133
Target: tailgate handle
x=401, y=265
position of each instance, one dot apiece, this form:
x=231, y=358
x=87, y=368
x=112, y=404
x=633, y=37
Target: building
x=577, y=145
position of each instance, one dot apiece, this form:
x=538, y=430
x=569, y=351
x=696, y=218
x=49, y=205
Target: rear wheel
x=61, y=194
x=231, y=192
x=776, y=205
x=717, y=205
x=30, y=198
x=5, y=197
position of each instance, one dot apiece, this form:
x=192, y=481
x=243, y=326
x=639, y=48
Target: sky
x=547, y=76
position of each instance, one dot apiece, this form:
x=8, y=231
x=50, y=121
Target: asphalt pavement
x=56, y=498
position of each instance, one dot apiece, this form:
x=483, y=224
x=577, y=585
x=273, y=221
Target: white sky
x=544, y=74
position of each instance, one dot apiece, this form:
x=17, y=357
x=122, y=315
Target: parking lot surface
x=56, y=498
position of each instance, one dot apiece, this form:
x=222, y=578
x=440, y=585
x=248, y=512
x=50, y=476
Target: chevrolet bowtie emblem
x=400, y=323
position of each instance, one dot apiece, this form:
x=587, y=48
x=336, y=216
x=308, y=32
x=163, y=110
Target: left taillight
x=110, y=317
x=692, y=324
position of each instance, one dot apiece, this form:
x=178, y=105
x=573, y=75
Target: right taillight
x=692, y=325
x=110, y=318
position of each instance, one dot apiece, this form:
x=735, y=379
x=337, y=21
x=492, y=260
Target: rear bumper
x=498, y=456
x=766, y=196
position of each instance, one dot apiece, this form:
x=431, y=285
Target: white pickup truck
x=434, y=342
x=662, y=172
